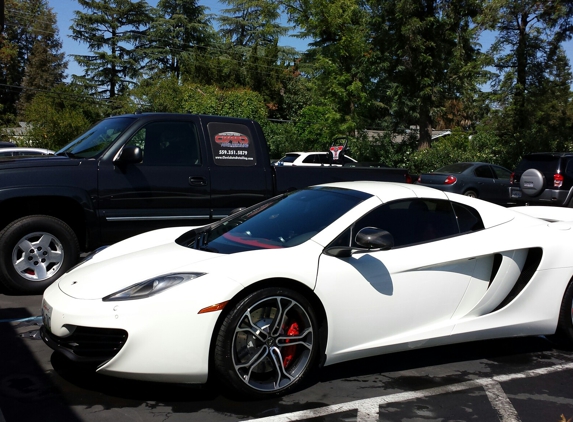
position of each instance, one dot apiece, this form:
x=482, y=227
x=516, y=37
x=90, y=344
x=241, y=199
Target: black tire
x=34, y=252
x=256, y=356
x=471, y=193
x=564, y=334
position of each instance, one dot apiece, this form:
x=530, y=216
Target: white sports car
x=315, y=277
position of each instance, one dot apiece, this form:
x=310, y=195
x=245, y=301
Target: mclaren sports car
x=322, y=275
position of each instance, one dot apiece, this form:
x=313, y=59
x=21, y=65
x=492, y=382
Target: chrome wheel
x=272, y=344
x=38, y=256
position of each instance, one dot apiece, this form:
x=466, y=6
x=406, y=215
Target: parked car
x=478, y=180
x=6, y=144
x=24, y=152
x=317, y=276
x=311, y=159
x=544, y=178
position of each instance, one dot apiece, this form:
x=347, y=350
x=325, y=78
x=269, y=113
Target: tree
x=30, y=34
x=59, y=115
x=533, y=80
x=179, y=27
x=251, y=22
x=427, y=56
x=112, y=30
x=46, y=63
x=339, y=58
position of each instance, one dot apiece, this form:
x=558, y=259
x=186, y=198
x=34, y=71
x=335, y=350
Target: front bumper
x=162, y=338
x=86, y=344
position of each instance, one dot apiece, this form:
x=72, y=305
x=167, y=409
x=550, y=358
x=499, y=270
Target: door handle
x=197, y=181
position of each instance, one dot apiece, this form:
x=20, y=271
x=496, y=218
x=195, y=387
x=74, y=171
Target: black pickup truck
x=133, y=173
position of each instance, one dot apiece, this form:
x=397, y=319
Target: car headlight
x=152, y=286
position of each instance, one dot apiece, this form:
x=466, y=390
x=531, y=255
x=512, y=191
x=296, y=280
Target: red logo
x=226, y=138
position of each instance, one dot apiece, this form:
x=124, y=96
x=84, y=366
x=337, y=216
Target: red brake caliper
x=289, y=351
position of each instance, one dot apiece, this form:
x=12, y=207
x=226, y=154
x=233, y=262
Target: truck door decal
x=232, y=145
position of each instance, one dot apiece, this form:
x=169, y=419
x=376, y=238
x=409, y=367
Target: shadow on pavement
x=27, y=391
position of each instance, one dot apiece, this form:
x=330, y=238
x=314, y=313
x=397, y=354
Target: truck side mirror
x=130, y=154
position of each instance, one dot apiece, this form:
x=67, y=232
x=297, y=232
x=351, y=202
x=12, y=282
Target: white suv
x=309, y=159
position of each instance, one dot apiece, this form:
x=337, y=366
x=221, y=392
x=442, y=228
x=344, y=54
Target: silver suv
x=544, y=178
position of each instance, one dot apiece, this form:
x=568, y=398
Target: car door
x=485, y=180
x=406, y=294
x=502, y=185
x=170, y=187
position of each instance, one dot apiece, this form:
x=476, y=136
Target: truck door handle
x=197, y=181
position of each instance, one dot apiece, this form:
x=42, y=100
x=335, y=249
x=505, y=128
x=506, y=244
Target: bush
x=58, y=116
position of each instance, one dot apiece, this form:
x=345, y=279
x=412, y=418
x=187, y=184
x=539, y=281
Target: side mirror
x=369, y=238
x=374, y=238
x=130, y=154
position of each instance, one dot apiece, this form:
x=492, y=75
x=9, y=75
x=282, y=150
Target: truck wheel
x=34, y=252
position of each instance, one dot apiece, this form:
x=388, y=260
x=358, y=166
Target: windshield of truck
x=541, y=162
x=97, y=138
x=281, y=222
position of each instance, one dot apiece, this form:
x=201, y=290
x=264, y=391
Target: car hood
x=132, y=261
x=38, y=161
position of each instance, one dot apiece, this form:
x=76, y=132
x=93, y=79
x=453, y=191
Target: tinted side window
x=569, y=167
x=468, y=218
x=412, y=221
x=501, y=173
x=168, y=143
x=314, y=159
x=484, y=171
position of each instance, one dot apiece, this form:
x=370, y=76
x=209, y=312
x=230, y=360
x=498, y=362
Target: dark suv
x=544, y=178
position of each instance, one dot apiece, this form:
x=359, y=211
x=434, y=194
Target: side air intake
x=531, y=264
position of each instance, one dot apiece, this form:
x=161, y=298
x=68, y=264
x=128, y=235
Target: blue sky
x=64, y=10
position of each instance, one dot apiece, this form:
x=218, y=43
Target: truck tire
x=34, y=252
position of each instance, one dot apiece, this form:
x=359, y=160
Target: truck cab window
x=168, y=143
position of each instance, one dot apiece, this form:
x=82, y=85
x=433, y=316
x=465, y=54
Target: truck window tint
x=412, y=221
x=168, y=143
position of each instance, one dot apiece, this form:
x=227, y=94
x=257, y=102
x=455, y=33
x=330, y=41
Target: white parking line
x=500, y=401
x=368, y=409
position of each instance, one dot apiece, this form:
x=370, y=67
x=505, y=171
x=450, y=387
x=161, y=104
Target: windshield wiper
x=201, y=240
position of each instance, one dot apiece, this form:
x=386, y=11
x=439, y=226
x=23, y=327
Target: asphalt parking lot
x=522, y=379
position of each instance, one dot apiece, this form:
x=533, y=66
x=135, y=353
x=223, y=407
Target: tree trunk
x=425, y=125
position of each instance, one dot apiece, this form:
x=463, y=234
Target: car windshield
x=454, y=168
x=96, y=139
x=281, y=222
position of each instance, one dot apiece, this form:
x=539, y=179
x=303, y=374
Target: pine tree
x=427, y=56
x=531, y=66
x=112, y=30
x=30, y=32
x=249, y=22
x=46, y=64
x=179, y=28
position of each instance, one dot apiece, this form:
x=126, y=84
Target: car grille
x=87, y=344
